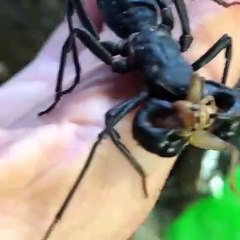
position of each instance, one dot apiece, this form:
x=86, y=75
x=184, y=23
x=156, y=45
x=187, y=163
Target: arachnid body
x=146, y=45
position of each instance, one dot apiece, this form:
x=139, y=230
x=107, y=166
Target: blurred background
x=195, y=203
x=24, y=26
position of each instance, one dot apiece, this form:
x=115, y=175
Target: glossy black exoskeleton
x=146, y=45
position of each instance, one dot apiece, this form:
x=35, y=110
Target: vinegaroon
x=148, y=47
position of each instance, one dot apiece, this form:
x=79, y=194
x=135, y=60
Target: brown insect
x=197, y=116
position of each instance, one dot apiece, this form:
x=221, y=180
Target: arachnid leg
x=118, y=65
x=103, y=50
x=225, y=42
x=83, y=17
x=226, y=5
x=168, y=20
x=186, y=38
x=206, y=140
x=113, y=116
x=154, y=128
x=67, y=47
x=111, y=47
x=195, y=92
x=166, y=14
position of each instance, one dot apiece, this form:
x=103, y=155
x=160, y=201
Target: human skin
x=41, y=156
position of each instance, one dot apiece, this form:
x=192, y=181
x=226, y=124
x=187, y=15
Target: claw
x=185, y=42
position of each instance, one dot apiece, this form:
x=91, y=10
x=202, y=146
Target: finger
x=206, y=34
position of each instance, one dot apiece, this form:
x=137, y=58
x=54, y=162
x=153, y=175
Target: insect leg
x=206, y=140
x=114, y=48
x=112, y=118
x=225, y=42
x=118, y=65
x=87, y=23
x=71, y=45
x=226, y=5
x=116, y=113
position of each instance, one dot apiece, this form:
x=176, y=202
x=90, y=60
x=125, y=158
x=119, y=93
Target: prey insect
x=146, y=45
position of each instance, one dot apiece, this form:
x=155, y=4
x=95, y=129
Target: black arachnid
x=146, y=46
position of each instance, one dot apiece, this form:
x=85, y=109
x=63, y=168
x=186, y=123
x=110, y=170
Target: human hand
x=41, y=157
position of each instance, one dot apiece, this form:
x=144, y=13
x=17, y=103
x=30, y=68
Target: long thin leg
x=225, y=42
x=167, y=15
x=86, y=22
x=75, y=60
x=116, y=113
x=186, y=38
x=168, y=20
x=69, y=44
x=226, y=5
x=118, y=65
x=66, y=47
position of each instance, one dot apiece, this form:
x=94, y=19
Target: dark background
x=24, y=26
